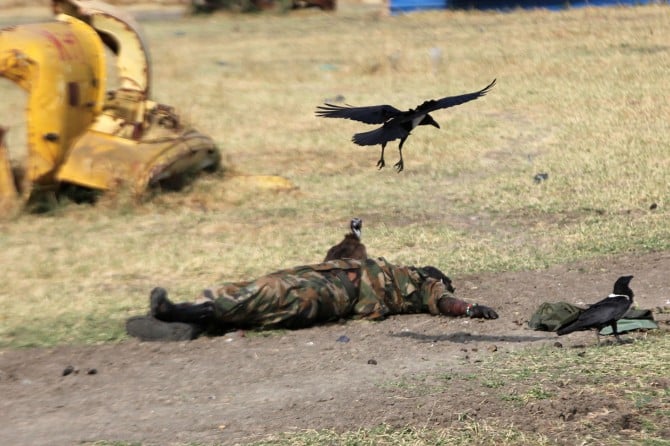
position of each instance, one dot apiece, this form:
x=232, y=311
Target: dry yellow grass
x=581, y=95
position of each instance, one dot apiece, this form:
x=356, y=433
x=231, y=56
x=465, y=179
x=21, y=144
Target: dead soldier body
x=305, y=296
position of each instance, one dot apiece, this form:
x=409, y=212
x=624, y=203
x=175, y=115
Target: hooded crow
x=350, y=247
x=606, y=312
x=397, y=124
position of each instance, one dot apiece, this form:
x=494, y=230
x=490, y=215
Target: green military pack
x=551, y=315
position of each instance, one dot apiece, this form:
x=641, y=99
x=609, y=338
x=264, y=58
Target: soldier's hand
x=483, y=312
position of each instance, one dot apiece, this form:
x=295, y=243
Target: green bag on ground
x=551, y=315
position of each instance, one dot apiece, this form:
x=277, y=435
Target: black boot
x=163, y=309
x=148, y=328
x=168, y=321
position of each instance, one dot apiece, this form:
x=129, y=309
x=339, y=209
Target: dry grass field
x=581, y=95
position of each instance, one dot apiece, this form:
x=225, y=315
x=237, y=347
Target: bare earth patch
x=412, y=370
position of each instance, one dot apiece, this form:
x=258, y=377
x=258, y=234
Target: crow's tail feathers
x=381, y=135
x=563, y=331
x=371, y=138
x=568, y=328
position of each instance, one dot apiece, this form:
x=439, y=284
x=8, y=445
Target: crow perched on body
x=606, y=312
x=350, y=247
x=397, y=124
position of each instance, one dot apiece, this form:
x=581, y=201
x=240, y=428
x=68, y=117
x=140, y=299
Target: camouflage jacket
x=307, y=295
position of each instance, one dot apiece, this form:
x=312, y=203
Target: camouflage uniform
x=312, y=294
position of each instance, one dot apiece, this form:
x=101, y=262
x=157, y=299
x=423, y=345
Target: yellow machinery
x=77, y=132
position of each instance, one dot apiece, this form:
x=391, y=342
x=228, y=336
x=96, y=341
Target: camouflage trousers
x=295, y=298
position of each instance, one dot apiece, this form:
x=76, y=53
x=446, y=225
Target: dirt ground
x=242, y=387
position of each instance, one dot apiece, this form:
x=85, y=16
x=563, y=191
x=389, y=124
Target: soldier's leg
x=169, y=322
x=283, y=300
x=162, y=308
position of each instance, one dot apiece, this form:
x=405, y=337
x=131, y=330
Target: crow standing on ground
x=397, y=124
x=350, y=247
x=606, y=312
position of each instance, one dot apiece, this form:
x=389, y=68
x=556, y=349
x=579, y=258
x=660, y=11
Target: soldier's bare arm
x=451, y=306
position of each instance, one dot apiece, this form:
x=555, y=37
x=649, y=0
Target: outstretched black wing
x=374, y=114
x=450, y=101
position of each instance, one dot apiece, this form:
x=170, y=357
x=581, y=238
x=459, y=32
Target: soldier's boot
x=170, y=322
x=148, y=328
x=163, y=309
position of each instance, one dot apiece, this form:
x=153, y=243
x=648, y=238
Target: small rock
x=68, y=370
x=558, y=344
x=92, y=371
x=653, y=206
x=343, y=338
x=372, y=361
x=493, y=348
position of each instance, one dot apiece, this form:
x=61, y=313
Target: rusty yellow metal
x=164, y=149
x=8, y=192
x=79, y=133
x=269, y=182
x=121, y=34
x=61, y=65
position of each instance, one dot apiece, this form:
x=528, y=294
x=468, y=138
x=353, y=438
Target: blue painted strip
x=403, y=6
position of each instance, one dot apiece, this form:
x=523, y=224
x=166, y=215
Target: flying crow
x=606, y=312
x=396, y=124
x=350, y=247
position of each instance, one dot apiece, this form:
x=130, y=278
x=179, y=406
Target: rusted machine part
x=78, y=133
x=61, y=66
x=120, y=33
x=102, y=161
x=8, y=189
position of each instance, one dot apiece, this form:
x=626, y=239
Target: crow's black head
x=621, y=286
x=428, y=120
x=435, y=273
x=356, y=225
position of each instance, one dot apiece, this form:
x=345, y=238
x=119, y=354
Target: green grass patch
x=471, y=433
x=618, y=394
